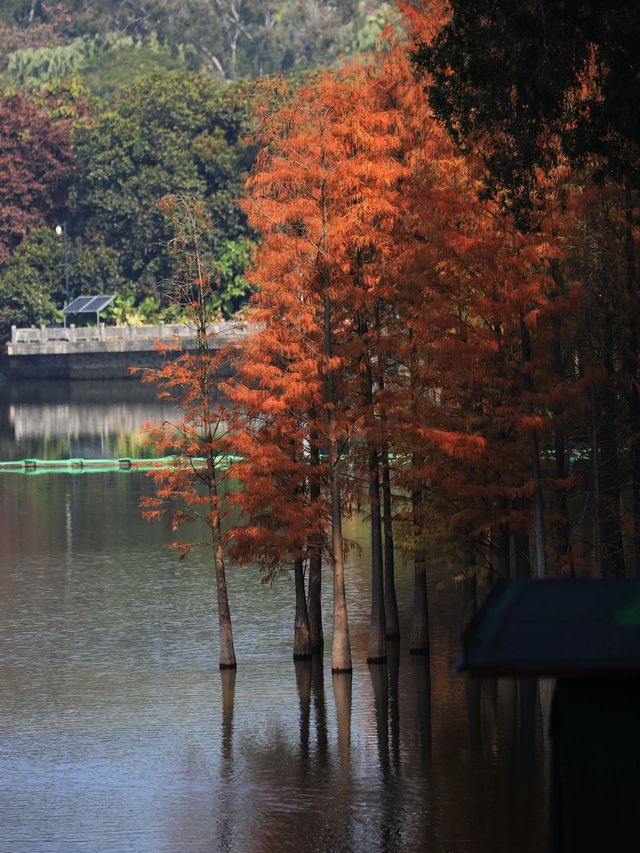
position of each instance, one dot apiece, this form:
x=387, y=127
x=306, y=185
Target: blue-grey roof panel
x=556, y=627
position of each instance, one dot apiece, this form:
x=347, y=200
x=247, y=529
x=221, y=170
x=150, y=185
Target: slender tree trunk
x=540, y=569
x=302, y=632
x=595, y=469
x=504, y=545
x=538, y=507
x=608, y=443
x=521, y=553
x=315, y=559
x=563, y=530
x=341, y=646
x=632, y=357
x=377, y=630
x=562, y=506
x=419, y=636
x=227, y=651
x=390, y=599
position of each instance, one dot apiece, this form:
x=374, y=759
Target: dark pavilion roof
x=556, y=628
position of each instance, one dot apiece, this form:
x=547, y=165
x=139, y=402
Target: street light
x=62, y=230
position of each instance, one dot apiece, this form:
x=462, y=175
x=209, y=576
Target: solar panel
x=88, y=304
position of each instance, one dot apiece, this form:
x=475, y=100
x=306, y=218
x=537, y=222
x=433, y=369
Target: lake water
x=118, y=733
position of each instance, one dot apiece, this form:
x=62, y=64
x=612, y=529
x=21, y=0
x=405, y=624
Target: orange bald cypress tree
x=193, y=489
x=323, y=194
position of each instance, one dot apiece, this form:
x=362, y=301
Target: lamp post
x=62, y=230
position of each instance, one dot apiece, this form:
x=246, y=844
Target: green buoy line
x=95, y=466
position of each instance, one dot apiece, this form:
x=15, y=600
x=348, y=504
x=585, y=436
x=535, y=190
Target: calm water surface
x=118, y=733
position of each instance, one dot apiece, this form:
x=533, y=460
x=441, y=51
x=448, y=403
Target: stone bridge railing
x=52, y=340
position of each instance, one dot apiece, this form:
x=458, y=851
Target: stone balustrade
x=52, y=340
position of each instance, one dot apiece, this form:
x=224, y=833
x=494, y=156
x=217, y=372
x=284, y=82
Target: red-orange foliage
x=193, y=489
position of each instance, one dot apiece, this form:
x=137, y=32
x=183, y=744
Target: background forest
x=107, y=106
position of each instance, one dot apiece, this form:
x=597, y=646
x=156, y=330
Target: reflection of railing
x=50, y=420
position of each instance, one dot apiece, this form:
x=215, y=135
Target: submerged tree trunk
x=540, y=569
x=632, y=357
x=609, y=467
x=227, y=651
x=315, y=560
x=377, y=629
x=563, y=529
x=521, y=554
x=419, y=636
x=390, y=599
x=538, y=507
x=341, y=647
x=302, y=632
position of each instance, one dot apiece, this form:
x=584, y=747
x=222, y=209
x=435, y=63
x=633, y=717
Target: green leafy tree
x=174, y=133
x=32, y=282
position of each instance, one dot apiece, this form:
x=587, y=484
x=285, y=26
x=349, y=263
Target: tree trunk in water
x=540, y=567
x=315, y=599
x=504, y=549
x=227, y=651
x=631, y=359
x=561, y=502
x=538, y=508
x=341, y=646
x=302, y=632
x=315, y=563
x=390, y=599
x=609, y=468
x=377, y=630
x=521, y=549
x=562, y=508
x=419, y=636
x=595, y=471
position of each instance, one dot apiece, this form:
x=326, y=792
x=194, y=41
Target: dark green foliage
x=515, y=71
x=32, y=282
x=173, y=133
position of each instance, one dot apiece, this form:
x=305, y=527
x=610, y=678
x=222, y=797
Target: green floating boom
x=87, y=466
